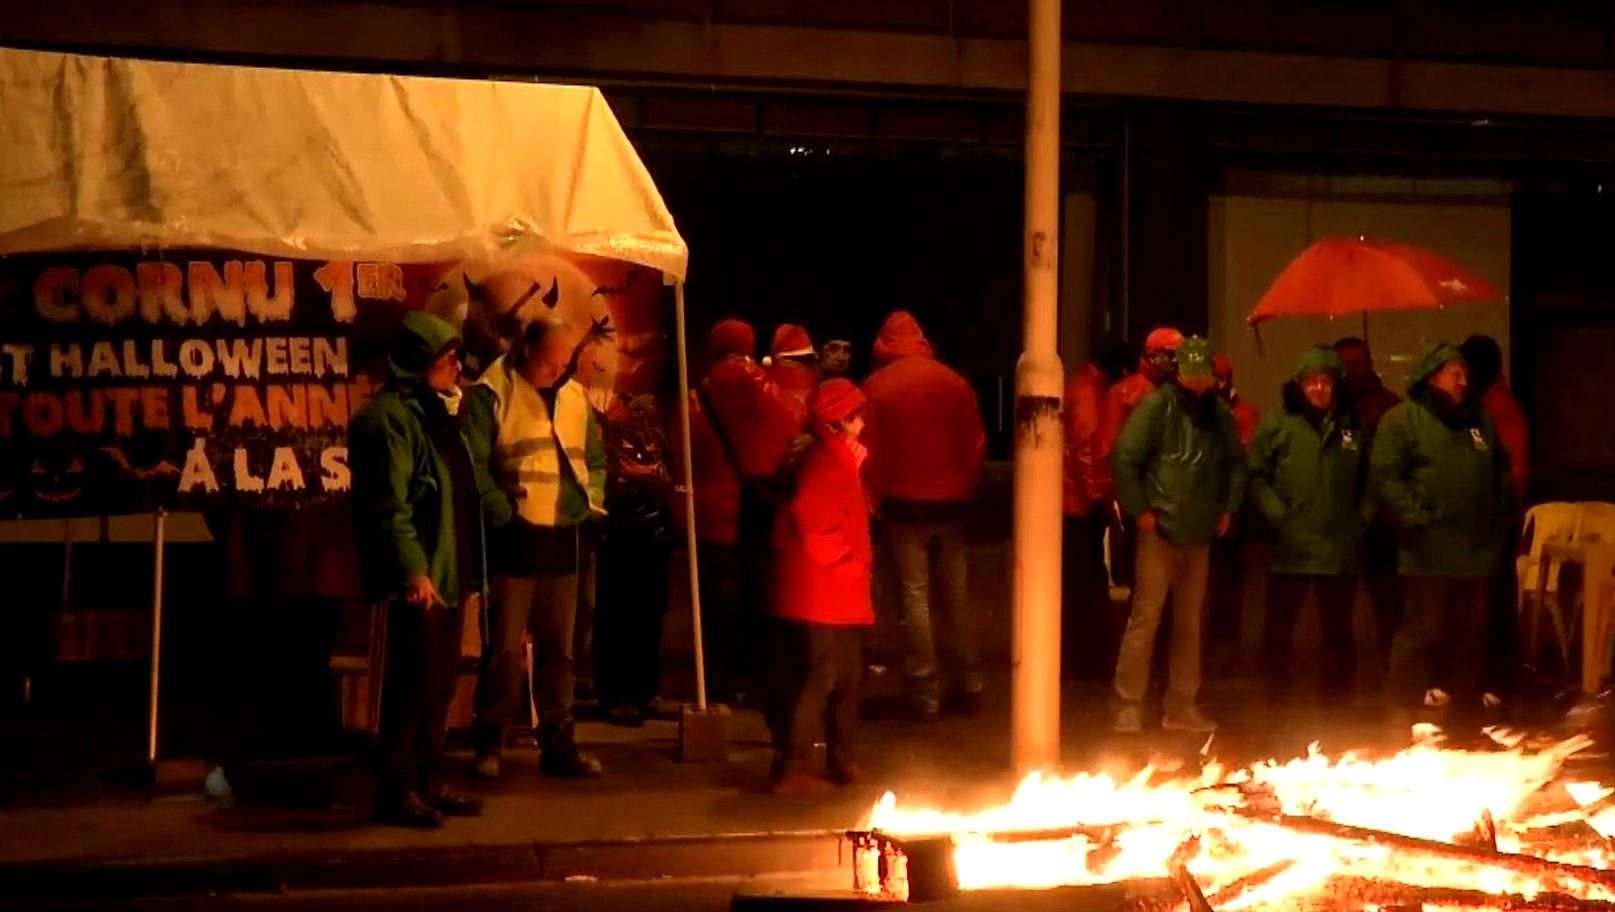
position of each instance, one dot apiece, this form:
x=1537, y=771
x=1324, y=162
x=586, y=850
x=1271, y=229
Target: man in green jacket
x=1437, y=466
x=533, y=431
x=1307, y=469
x=419, y=523
x=1180, y=471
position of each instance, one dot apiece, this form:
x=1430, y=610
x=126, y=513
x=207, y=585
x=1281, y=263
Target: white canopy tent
x=106, y=152
x=114, y=153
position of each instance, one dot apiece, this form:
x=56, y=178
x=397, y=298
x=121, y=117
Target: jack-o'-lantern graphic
x=611, y=311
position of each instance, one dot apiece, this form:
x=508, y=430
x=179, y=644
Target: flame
x=1092, y=828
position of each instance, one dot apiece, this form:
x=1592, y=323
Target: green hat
x=1194, y=357
x=1319, y=359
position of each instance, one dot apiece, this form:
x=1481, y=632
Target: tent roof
x=108, y=152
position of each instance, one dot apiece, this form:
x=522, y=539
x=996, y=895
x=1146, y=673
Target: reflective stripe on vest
x=524, y=451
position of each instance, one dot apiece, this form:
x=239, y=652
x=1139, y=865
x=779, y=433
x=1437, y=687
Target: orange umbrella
x=1339, y=277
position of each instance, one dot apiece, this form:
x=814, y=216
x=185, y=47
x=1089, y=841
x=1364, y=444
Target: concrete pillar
x=1039, y=439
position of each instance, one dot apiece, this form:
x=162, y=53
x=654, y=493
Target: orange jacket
x=1514, y=432
x=926, y=439
x=1087, y=477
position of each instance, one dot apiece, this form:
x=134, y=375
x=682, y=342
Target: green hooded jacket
x=1179, y=457
x=1440, y=470
x=1307, y=476
x=403, y=500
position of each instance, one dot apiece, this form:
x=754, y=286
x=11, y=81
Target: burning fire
x=1429, y=826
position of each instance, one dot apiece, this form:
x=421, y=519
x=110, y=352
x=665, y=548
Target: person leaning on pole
x=418, y=512
x=534, y=431
x=1180, y=472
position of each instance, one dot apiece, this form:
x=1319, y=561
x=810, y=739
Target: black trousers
x=816, y=670
x=1442, y=640
x=1502, y=630
x=722, y=614
x=1286, y=594
x=1384, y=584
x=423, y=658
x=632, y=592
x=1090, y=626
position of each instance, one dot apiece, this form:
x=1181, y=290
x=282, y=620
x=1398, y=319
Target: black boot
x=560, y=756
x=446, y=802
x=407, y=809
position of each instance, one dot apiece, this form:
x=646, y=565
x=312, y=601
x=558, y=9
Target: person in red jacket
x=1156, y=365
x=927, y=446
x=793, y=365
x=1485, y=359
x=823, y=600
x=1091, y=631
x=741, y=430
x=1380, y=573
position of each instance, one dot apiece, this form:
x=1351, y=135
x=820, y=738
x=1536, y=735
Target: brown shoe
x=801, y=784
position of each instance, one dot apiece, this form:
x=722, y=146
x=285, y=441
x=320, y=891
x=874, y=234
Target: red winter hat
x=1164, y=339
x=791, y=341
x=835, y=400
x=731, y=337
x=1222, y=368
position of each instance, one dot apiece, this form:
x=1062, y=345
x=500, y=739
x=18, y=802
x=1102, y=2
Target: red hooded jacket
x=926, y=439
x=823, y=552
x=1087, y=477
x=1514, y=432
x=1123, y=396
x=760, y=424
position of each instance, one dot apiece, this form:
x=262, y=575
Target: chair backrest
x=1549, y=521
x=1544, y=523
x=1597, y=522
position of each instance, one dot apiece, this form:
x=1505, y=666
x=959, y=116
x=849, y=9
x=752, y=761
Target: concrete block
x=704, y=736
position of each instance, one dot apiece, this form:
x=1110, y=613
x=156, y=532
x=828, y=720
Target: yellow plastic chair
x=1537, y=573
x=1597, y=526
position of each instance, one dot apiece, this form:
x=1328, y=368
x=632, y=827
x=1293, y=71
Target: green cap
x=1194, y=357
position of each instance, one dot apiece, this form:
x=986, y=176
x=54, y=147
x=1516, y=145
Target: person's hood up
x=1435, y=355
x=421, y=338
x=900, y=337
x=730, y=338
x=1320, y=359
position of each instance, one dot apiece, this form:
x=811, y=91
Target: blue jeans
x=923, y=554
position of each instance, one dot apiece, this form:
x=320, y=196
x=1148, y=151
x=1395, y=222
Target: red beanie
x=835, y=400
x=791, y=341
x=731, y=337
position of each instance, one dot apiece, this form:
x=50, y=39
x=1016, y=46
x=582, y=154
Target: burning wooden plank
x=1528, y=865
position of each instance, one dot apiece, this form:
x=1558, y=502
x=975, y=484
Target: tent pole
x=1039, y=430
x=689, y=496
x=159, y=527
